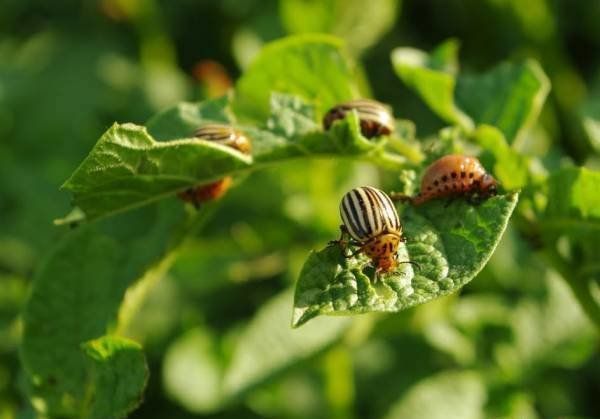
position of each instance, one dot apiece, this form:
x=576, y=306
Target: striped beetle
x=372, y=222
x=375, y=118
x=453, y=176
x=222, y=134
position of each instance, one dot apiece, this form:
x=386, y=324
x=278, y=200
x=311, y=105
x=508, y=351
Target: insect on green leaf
x=450, y=243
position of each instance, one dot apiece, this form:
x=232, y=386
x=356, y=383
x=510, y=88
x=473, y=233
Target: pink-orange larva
x=455, y=176
x=222, y=134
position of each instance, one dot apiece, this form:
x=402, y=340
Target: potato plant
x=146, y=306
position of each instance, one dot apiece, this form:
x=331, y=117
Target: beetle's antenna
x=412, y=263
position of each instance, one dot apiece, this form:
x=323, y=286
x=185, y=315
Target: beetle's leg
x=343, y=240
x=474, y=199
x=396, y=196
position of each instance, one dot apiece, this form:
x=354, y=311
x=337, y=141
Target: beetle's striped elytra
x=225, y=135
x=371, y=220
x=454, y=176
x=375, y=118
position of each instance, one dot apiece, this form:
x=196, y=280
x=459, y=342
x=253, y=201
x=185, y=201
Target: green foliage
x=134, y=278
x=313, y=67
x=118, y=376
x=358, y=25
x=450, y=243
x=449, y=394
x=81, y=287
x=509, y=96
x=128, y=168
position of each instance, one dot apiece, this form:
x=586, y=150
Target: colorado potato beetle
x=454, y=176
x=375, y=118
x=222, y=134
x=372, y=222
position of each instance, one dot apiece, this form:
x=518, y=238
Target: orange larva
x=455, y=176
x=222, y=134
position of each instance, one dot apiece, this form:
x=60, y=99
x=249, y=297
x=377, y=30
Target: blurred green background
x=514, y=344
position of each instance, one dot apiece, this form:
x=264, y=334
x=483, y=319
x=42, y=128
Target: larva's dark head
x=489, y=185
x=226, y=135
x=375, y=118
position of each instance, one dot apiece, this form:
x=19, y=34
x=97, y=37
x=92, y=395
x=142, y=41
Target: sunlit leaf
x=129, y=168
x=509, y=96
x=78, y=292
x=314, y=67
x=358, y=25
x=192, y=372
x=118, y=376
x=508, y=166
x=269, y=345
x=451, y=244
x=453, y=394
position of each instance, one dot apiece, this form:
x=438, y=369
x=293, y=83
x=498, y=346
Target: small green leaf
x=77, y=293
x=574, y=196
x=118, y=376
x=192, y=373
x=269, y=345
x=451, y=243
x=182, y=120
x=509, y=167
x=432, y=77
x=572, y=216
x=509, y=96
x=453, y=394
x=314, y=67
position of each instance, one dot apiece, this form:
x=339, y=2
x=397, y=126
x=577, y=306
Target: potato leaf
x=77, y=296
x=451, y=244
x=314, y=67
x=128, y=167
x=509, y=96
x=118, y=376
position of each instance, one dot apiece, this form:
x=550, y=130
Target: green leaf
x=451, y=243
x=118, y=373
x=192, y=373
x=509, y=167
x=182, y=120
x=452, y=394
x=269, y=345
x=77, y=294
x=358, y=25
x=574, y=197
x=510, y=96
x=432, y=77
x=314, y=67
x=571, y=223
x=128, y=168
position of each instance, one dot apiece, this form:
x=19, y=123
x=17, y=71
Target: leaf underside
x=450, y=243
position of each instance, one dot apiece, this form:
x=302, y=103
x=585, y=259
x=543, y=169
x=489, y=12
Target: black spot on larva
x=429, y=188
x=463, y=174
x=444, y=178
x=446, y=187
x=436, y=183
x=453, y=174
x=471, y=174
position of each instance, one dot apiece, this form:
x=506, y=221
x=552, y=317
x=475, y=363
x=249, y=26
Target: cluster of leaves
x=92, y=297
